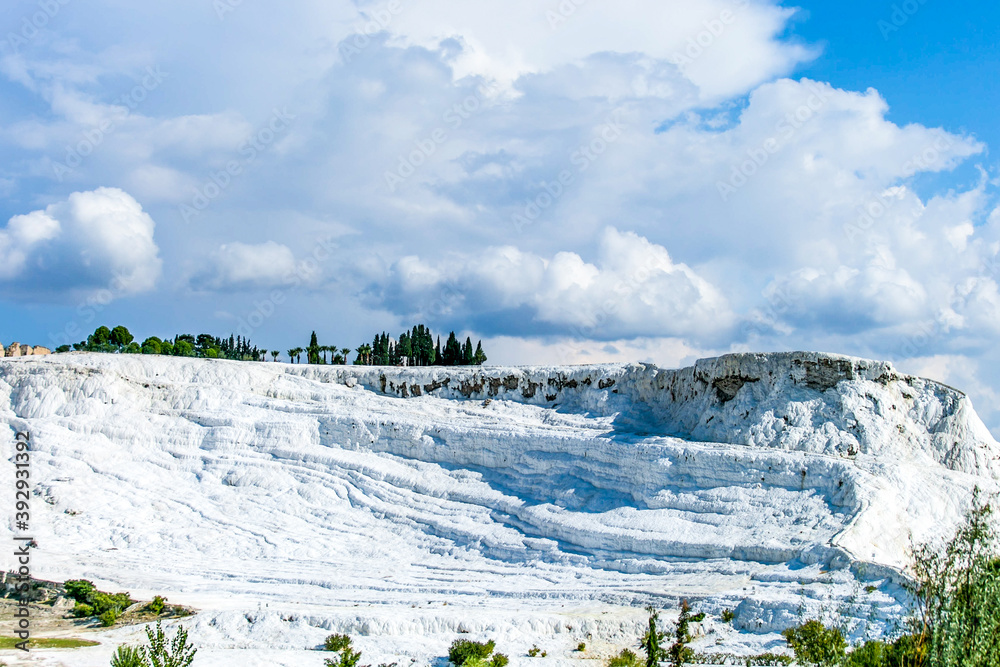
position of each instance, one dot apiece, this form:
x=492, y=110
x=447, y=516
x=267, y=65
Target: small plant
x=129, y=656
x=499, y=660
x=178, y=654
x=870, y=589
x=83, y=610
x=815, y=644
x=157, y=605
x=869, y=654
x=79, y=589
x=625, y=659
x=534, y=651
x=651, y=640
x=728, y=615
x=907, y=651
x=337, y=643
x=680, y=652
x=581, y=647
x=348, y=658
x=463, y=650
x=108, y=618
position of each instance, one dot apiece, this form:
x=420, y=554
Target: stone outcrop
x=17, y=350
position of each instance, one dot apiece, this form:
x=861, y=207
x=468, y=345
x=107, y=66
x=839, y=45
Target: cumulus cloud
x=723, y=47
x=243, y=266
x=633, y=289
x=93, y=240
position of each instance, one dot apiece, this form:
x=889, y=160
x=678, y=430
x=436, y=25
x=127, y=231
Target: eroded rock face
x=40, y=351
x=799, y=401
x=14, y=350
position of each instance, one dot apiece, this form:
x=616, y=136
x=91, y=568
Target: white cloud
x=736, y=45
x=242, y=266
x=93, y=240
x=634, y=289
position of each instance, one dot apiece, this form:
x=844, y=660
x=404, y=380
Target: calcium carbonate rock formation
x=771, y=484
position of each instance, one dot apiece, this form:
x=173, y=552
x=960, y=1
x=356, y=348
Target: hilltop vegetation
x=413, y=348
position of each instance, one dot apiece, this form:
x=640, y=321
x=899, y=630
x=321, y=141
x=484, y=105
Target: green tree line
x=120, y=340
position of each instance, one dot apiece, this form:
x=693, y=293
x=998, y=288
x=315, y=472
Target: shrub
x=82, y=610
x=728, y=615
x=337, y=643
x=499, y=660
x=177, y=654
x=581, y=647
x=79, y=589
x=959, y=594
x=157, y=605
x=348, y=658
x=462, y=650
x=651, y=640
x=815, y=644
x=534, y=651
x=129, y=656
x=907, y=651
x=869, y=654
x=625, y=659
x=103, y=602
x=108, y=618
x=679, y=651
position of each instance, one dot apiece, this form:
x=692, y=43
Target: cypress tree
x=452, y=351
x=467, y=353
x=479, y=357
x=312, y=352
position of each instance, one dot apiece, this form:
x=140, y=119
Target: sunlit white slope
x=290, y=501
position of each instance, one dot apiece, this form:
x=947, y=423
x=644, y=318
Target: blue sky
x=570, y=181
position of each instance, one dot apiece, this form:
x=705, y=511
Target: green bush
x=79, y=589
x=82, y=610
x=499, y=660
x=869, y=654
x=907, y=651
x=815, y=644
x=108, y=618
x=581, y=647
x=157, y=605
x=177, y=654
x=534, y=651
x=728, y=615
x=625, y=659
x=462, y=650
x=103, y=602
x=348, y=658
x=337, y=643
x=959, y=593
x=129, y=656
